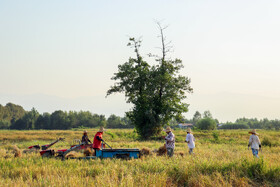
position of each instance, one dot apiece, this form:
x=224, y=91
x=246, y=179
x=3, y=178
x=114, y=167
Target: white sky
x=61, y=54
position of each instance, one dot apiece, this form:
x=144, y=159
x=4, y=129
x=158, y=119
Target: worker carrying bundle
x=170, y=141
x=255, y=143
x=85, y=138
x=97, y=140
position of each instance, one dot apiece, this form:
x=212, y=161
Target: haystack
x=145, y=151
x=88, y=152
x=162, y=151
x=72, y=154
x=17, y=151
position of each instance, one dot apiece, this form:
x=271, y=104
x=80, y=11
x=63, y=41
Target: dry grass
x=214, y=164
x=180, y=153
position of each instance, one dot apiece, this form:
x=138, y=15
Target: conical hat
x=189, y=130
x=101, y=129
x=253, y=132
x=168, y=129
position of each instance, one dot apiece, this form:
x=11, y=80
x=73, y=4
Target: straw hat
x=85, y=132
x=253, y=132
x=189, y=130
x=168, y=129
x=101, y=129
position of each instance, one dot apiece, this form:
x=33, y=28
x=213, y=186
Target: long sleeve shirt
x=85, y=139
x=97, y=140
x=254, y=141
x=190, y=139
x=170, y=140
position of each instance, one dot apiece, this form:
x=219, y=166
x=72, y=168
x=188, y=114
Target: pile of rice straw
x=88, y=152
x=17, y=151
x=72, y=154
x=162, y=151
x=145, y=151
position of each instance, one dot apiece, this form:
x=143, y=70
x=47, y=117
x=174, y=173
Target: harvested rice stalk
x=88, y=152
x=72, y=154
x=17, y=151
x=162, y=151
x=145, y=151
x=180, y=153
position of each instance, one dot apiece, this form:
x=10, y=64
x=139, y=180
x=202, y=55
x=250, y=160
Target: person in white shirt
x=190, y=140
x=254, y=142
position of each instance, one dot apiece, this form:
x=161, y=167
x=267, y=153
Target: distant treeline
x=240, y=123
x=252, y=123
x=15, y=117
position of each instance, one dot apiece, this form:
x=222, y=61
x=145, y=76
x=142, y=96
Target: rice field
x=221, y=159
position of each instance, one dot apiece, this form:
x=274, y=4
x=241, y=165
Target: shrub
x=266, y=142
x=206, y=124
x=234, y=126
x=215, y=136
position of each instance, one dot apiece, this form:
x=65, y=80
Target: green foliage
x=114, y=122
x=255, y=170
x=254, y=123
x=207, y=114
x=234, y=126
x=156, y=92
x=206, y=124
x=113, y=135
x=196, y=117
x=4, y=124
x=216, y=136
x=27, y=121
x=57, y=120
x=266, y=142
x=11, y=112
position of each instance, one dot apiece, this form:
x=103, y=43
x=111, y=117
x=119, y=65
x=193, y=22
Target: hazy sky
x=61, y=54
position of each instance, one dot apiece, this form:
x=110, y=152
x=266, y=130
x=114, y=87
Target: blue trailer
x=118, y=153
x=105, y=153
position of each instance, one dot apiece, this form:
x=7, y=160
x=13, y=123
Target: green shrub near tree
x=206, y=124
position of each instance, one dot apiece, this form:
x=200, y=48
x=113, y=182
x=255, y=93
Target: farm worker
x=254, y=142
x=190, y=140
x=98, y=139
x=85, y=138
x=170, y=141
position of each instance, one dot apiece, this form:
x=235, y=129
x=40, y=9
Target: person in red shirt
x=98, y=139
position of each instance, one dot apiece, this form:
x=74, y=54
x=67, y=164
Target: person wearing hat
x=254, y=142
x=190, y=140
x=170, y=141
x=85, y=138
x=98, y=139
